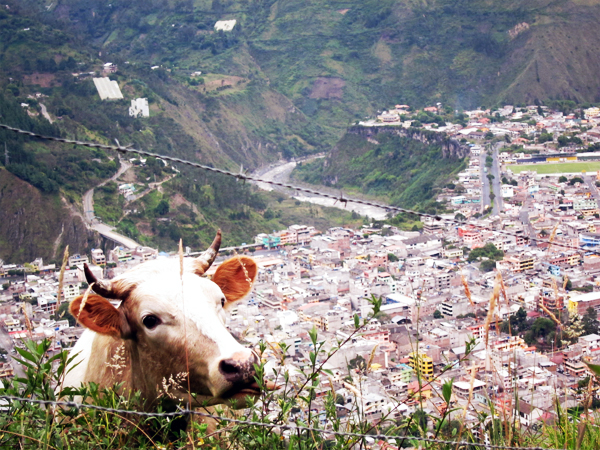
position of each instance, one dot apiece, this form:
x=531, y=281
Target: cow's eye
x=150, y=321
x=223, y=302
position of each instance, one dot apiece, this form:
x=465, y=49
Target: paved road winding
x=91, y=220
x=281, y=173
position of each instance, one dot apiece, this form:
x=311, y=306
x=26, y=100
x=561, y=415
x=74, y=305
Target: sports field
x=576, y=167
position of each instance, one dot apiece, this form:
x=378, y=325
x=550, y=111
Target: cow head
x=172, y=324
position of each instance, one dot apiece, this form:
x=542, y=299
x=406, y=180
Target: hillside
x=286, y=82
x=402, y=167
x=35, y=224
x=339, y=59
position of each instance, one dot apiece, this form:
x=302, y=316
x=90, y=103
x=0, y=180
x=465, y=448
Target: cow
x=168, y=332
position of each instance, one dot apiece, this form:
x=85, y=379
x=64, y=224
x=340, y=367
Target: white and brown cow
x=143, y=341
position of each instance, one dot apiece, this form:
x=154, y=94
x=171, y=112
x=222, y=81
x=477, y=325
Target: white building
x=108, y=89
x=139, y=108
x=225, y=25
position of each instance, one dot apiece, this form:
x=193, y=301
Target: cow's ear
x=99, y=315
x=235, y=277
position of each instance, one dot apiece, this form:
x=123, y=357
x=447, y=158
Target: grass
x=557, y=168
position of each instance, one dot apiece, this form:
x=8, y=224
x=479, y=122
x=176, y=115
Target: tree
x=590, y=321
x=437, y=314
x=576, y=180
x=562, y=179
x=63, y=313
x=489, y=250
x=392, y=257
x=162, y=208
x=358, y=362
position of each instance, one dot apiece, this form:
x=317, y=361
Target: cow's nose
x=239, y=368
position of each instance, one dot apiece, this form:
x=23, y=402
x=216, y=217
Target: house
x=109, y=68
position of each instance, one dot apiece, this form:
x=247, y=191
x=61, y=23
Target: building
x=589, y=240
x=421, y=364
x=70, y=291
x=98, y=257
x=455, y=307
x=578, y=304
x=6, y=370
x=145, y=253
x=120, y=255
x=463, y=388
x=442, y=280
x=109, y=68
x=575, y=367
x=76, y=260
x=14, y=327
x=139, y=108
x=225, y=25
x=584, y=203
x=452, y=253
x=108, y=89
x=301, y=234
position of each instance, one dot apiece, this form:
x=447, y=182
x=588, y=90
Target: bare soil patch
x=327, y=88
x=211, y=85
x=43, y=79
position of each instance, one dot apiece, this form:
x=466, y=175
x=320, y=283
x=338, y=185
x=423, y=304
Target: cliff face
x=450, y=148
x=405, y=167
x=36, y=225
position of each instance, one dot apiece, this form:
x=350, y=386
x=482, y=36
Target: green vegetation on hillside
x=404, y=171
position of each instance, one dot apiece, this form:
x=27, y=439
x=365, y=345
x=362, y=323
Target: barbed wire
x=293, y=428
x=338, y=198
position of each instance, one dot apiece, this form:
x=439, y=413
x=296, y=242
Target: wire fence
x=290, y=427
x=338, y=198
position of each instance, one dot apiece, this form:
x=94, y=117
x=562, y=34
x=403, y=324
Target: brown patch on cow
x=327, y=88
x=233, y=279
x=43, y=79
x=99, y=315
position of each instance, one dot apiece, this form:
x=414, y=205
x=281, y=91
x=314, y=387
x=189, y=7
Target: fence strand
x=338, y=198
x=293, y=428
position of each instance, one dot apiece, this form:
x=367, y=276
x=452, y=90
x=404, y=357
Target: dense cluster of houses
x=520, y=125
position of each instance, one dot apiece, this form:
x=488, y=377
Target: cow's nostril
x=231, y=369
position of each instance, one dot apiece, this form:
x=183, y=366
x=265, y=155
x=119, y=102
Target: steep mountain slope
x=287, y=81
x=337, y=59
x=35, y=224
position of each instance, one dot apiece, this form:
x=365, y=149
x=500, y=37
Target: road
x=592, y=185
x=485, y=184
x=281, y=173
x=45, y=112
x=93, y=223
x=496, y=181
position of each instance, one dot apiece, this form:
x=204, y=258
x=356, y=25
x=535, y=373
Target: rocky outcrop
x=451, y=148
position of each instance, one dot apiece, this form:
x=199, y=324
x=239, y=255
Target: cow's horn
x=205, y=260
x=100, y=287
